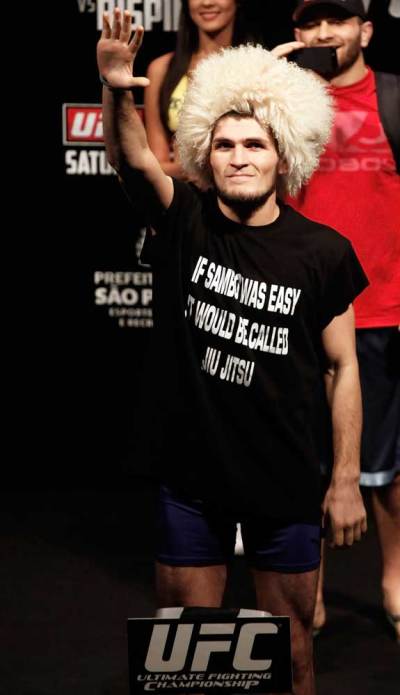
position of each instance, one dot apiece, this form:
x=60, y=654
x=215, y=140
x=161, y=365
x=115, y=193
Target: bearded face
x=349, y=35
x=244, y=163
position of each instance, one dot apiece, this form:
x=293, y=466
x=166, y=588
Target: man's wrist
x=343, y=479
x=106, y=83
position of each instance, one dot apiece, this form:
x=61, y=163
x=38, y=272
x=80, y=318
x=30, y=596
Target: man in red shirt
x=356, y=190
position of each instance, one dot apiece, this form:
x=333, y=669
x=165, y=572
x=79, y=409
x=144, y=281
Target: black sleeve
x=388, y=95
x=346, y=280
x=141, y=194
x=167, y=228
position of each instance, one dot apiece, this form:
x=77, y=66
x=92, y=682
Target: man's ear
x=297, y=34
x=367, y=29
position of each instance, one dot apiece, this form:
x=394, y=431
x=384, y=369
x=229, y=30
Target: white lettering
x=145, y=12
x=84, y=124
x=237, y=371
x=86, y=6
x=88, y=163
x=352, y=164
x=128, y=296
x=154, y=659
x=122, y=277
x=211, y=361
x=283, y=299
x=242, y=660
x=199, y=269
x=204, y=649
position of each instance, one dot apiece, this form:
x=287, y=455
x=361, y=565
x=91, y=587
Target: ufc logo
x=87, y=124
x=241, y=646
x=83, y=124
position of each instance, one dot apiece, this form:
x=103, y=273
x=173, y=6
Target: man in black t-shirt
x=252, y=304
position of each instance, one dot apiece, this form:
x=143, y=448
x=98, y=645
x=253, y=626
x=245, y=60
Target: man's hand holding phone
x=321, y=59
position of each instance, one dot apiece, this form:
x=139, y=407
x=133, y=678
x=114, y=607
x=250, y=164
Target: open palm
x=116, y=51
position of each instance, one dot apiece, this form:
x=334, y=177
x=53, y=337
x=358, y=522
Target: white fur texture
x=280, y=95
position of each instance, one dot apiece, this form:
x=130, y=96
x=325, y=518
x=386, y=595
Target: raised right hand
x=285, y=49
x=116, y=51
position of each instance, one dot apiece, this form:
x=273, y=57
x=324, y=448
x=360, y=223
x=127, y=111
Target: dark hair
x=187, y=43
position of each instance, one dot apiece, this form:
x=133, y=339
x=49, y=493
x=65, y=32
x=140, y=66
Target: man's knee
x=389, y=496
x=190, y=586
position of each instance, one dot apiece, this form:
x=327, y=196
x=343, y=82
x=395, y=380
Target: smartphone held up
x=320, y=59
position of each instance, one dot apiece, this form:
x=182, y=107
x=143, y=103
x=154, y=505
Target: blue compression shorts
x=190, y=536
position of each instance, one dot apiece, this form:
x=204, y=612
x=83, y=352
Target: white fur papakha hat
x=249, y=80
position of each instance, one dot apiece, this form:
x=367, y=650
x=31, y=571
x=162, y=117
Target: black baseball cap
x=354, y=8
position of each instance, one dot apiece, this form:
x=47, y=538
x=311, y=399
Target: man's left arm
x=343, y=505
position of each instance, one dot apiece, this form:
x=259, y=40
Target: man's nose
x=239, y=156
x=324, y=30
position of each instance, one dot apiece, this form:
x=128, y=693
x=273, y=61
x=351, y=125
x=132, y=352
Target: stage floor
x=76, y=564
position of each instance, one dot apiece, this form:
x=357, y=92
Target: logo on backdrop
x=125, y=296
x=82, y=124
x=83, y=129
x=195, y=653
x=148, y=13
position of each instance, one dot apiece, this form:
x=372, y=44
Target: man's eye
x=222, y=146
x=255, y=145
x=313, y=25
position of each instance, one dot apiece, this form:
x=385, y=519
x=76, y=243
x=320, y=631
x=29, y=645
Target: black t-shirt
x=237, y=361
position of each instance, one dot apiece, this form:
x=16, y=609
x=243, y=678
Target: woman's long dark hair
x=187, y=43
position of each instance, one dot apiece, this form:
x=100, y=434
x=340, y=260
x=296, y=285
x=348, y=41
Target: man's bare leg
x=386, y=505
x=293, y=595
x=190, y=586
x=320, y=610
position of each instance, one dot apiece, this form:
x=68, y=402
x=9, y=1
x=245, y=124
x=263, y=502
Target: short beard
x=350, y=58
x=244, y=205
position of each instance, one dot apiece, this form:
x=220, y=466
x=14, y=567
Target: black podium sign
x=209, y=652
